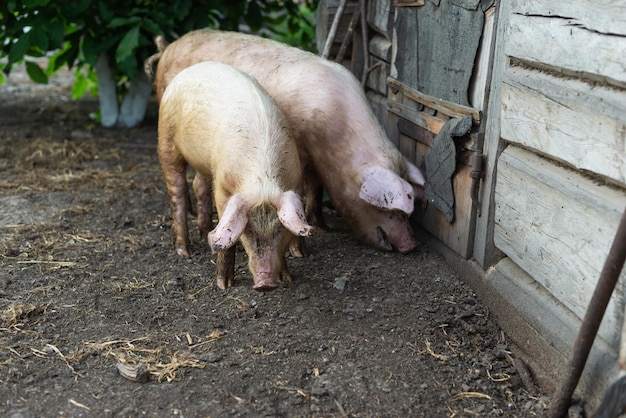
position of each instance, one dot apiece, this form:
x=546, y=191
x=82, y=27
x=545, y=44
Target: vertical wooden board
x=602, y=16
x=377, y=77
x=380, y=47
x=559, y=42
x=485, y=252
x=404, y=46
x=407, y=145
x=448, y=38
x=579, y=124
x=326, y=11
x=358, y=57
x=558, y=226
x=457, y=235
x=391, y=127
x=380, y=16
x=479, y=89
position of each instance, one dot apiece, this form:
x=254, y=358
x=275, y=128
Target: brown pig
x=341, y=144
x=221, y=122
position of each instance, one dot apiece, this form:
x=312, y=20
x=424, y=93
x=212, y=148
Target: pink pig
x=221, y=122
x=341, y=144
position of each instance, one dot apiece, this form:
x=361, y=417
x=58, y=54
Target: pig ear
x=386, y=190
x=291, y=213
x=231, y=224
x=415, y=175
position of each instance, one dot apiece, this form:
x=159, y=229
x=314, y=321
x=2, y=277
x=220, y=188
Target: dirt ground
x=90, y=283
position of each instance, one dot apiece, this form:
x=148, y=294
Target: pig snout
x=389, y=231
x=265, y=281
x=406, y=245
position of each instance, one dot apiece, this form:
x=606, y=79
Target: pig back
x=228, y=128
x=324, y=103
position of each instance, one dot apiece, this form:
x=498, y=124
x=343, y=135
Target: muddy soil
x=90, y=285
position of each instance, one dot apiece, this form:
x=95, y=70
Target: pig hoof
x=183, y=252
x=223, y=283
x=298, y=249
x=265, y=286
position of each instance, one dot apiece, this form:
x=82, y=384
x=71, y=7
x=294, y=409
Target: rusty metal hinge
x=476, y=175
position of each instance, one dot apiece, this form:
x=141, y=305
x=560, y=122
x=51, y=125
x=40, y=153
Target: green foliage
x=294, y=26
x=78, y=31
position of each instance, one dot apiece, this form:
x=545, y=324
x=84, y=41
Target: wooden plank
x=546, y=330
x=576, y=123
x=478, y=89
x=448, y=36
x=448, y=108
x=602, y=16
x=558, y=226
x=415, y=132
x=556, y=43
x=377, y=77
x=380, y=17
x=326, y=11
x=357, y=55
x=431, y=123
x=408, y=3
x=458, y=236
x=485, y=251
x=407, y=146
x=380, y=47
x=404, y=50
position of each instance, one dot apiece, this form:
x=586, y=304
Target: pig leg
x=297, y=247
x=314, y=194
x=285, y=276
x=202, y=189
x=226, y=268
x=313, y=198
x=174, y=169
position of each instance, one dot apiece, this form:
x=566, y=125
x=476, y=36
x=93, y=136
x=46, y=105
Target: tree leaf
x=150, y=26
x=56, y=32
x=105, y=13
x=123, y=21
x=127, y=45
x=39, y=38
x=66, y=56
x=19, y=48
x=73, y=9
x=36, y=73
x=80, y=85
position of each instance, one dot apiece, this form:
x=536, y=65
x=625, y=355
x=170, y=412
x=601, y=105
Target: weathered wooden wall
x=554, y=145
x=560, y=188
x=431, y=79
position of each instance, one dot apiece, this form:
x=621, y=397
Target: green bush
x=80, y=30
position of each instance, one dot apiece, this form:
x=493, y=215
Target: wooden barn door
x=436, y=95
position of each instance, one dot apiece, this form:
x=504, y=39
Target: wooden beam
x=558, y=226
x=572, y=49
x=445, y=107
x=601, y=16
x=568, y=119
x=485, y=251
x=408, y=3
x=428, y=122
